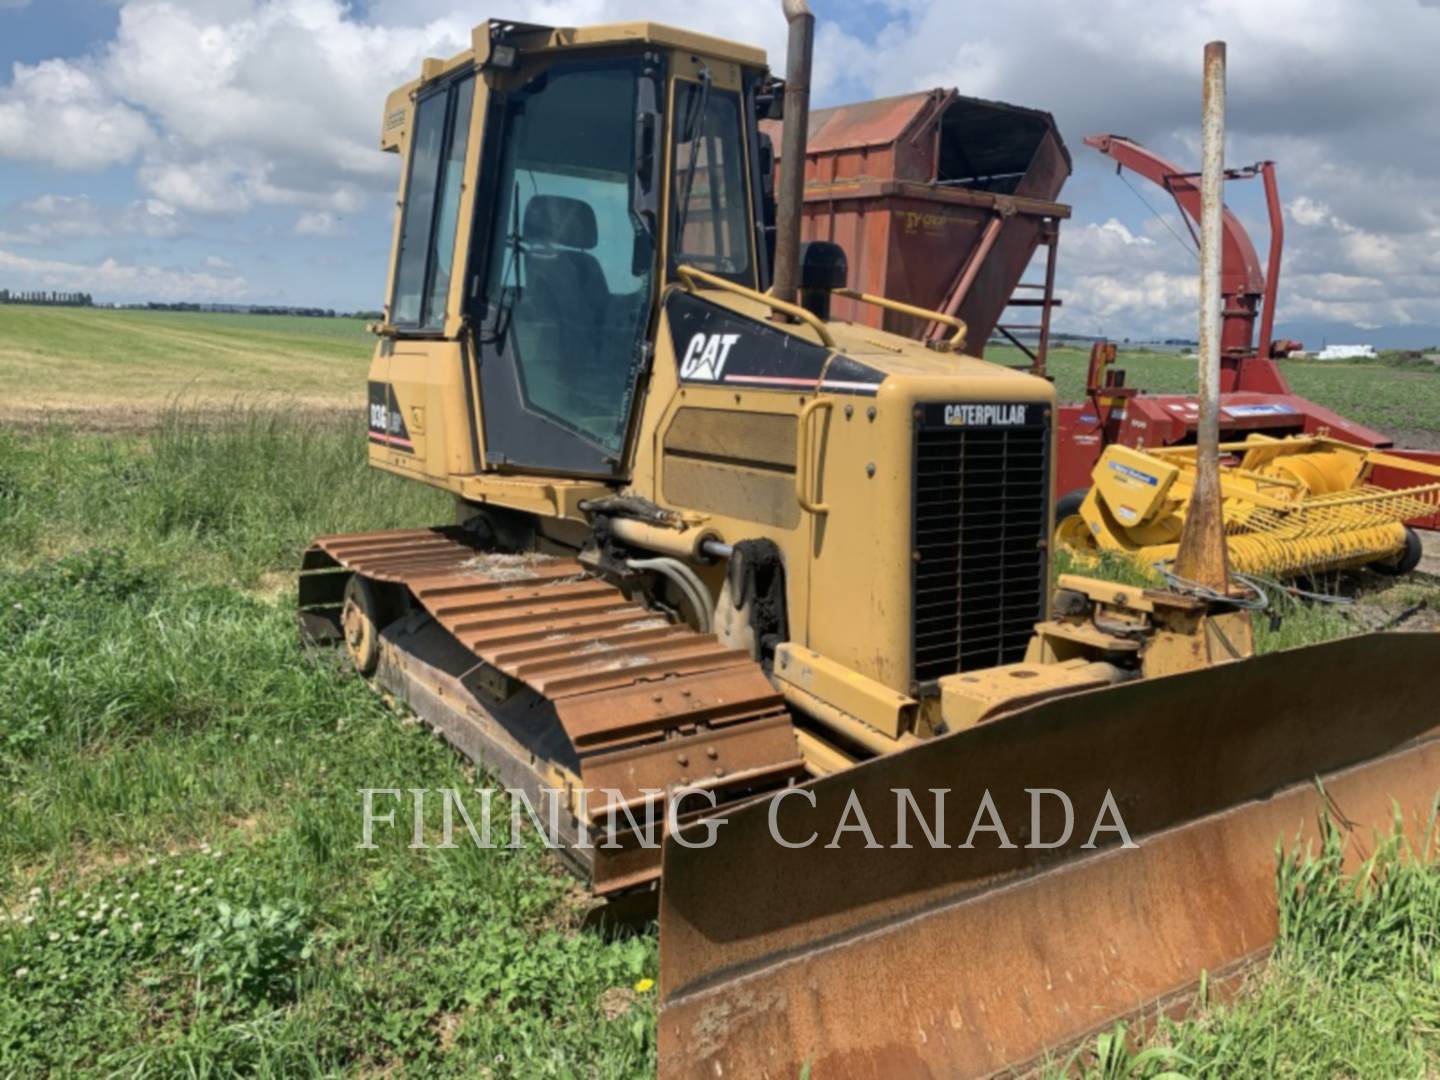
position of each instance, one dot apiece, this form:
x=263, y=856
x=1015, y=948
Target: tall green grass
x=175, y=768
x=1352, y=990
x=208, y=495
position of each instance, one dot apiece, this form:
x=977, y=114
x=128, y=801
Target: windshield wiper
x=509, y=295
x=697, y=116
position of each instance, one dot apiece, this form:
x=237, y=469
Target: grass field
x=117, y=369
x=1403, y=402
x=179, y=878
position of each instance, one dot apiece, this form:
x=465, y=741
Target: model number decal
x=387, y=422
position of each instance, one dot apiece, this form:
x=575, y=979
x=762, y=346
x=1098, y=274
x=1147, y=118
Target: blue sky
x=224, y=149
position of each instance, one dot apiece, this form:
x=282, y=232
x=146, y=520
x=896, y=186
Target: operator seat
x=563, y=282
x=575, y=360
x=560, y=319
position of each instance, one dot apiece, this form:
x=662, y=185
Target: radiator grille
x=981, y=503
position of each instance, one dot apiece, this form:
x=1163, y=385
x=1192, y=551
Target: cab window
x=570, y=263
x=432, y=205
x=712, y=227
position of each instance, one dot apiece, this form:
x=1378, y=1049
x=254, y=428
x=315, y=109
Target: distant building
x=1346, y=352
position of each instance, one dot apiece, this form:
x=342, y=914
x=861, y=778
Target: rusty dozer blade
x=963, y=962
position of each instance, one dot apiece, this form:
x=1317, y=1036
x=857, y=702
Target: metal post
x=1052, y=240
x=792, y=149
x=1202, y=555
x=1272, y=264
x=968, y=273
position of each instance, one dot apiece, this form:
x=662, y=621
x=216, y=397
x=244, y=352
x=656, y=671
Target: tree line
x=46, y=298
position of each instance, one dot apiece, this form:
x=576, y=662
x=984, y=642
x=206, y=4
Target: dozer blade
x=963, y=962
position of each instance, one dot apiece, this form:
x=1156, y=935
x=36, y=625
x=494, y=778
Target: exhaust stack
x=1202, y=557
x=799, y=58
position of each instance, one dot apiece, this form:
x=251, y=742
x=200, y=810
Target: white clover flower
x=35, y=891
x=21, y=972
x=73, y=937
x=179, y=889
x=136, y=926
x=134, y=896
x=209, y=881
x=216, y=854
x=194, y=889
x=104, y=932
x=151, y=861
x=62, y=902
x=179, y=873
x=97, y=916
x=52, y=936
x=27, y=920
x=82, y=913
x=205, y=848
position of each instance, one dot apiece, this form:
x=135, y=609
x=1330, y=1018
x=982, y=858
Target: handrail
x=803, y=464
x=956, y=342
x=689, y=275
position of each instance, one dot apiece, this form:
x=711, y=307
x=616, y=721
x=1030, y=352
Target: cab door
x=565, y=283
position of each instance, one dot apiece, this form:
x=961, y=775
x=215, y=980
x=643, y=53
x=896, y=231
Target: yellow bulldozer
x=766, y=576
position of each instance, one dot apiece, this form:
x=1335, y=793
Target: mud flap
x=905, y=961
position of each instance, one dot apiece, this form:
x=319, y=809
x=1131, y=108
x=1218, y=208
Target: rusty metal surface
x=772, y=957
x=641, y=702
x=881, y=180
x=882, y=122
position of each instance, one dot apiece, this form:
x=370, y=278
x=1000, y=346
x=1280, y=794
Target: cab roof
x=651, y=33
x=535, y=38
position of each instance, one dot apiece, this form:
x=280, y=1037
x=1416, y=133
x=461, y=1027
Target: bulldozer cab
x=558, y=178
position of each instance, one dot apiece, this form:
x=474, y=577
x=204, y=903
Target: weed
x=180, y=884
x=1352, y=989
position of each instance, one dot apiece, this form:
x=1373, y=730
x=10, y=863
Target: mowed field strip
x=118, y=369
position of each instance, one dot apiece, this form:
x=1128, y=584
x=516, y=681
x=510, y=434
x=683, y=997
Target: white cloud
x=318, y=223
x=206, y=186
x=266, y=101
x=1307, y=211
x=59, y=113
x=226, y=106
x=215, y=262
x=117, y=280
x=47, y=219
